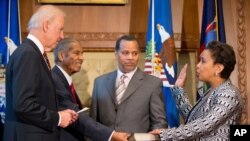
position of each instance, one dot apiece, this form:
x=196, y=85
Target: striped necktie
x=120, y=89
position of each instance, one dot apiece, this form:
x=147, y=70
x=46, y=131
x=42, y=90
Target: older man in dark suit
x=128, y=99
x=69, y=58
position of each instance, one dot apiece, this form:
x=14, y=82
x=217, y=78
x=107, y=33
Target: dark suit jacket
x=141, y=108
x=84, y=125
x=31, y=108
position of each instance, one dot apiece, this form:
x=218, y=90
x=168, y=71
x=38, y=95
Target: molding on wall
x=241, y=41
x=107, y=38
x=95, y=36
x=105, y=41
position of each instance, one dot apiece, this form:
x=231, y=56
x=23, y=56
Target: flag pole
x=19, y=23
x=8, y=43
x=152, y=37
x=217, y=20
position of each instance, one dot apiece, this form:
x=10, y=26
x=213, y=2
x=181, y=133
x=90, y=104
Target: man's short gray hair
x=46, y=12
x=64, y=46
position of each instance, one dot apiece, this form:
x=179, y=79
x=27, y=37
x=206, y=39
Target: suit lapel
x=110, y=85
x=35, y=48
x=135, y=82
x=57, y=71
x=66, y=85
x=40, y=56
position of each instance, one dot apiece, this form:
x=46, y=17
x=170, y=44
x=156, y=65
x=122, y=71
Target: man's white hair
x=46, y=12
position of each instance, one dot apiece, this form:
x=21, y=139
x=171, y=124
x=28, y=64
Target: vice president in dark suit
x=68, y=58
x=31, y=107
x=128, y=99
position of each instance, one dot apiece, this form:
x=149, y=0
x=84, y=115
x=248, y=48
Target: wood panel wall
x=98, y=26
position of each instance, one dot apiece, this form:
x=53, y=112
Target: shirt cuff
x=111, y=136
x=59, y=122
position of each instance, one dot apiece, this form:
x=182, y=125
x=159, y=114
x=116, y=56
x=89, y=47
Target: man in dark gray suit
x=133, y=103
x=31, y=105
x=68, y=58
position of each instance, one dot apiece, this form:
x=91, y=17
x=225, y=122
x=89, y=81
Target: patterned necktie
x=120, y=89
x=46, y=60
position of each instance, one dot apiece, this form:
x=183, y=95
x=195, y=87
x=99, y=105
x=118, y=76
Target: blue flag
x=9, y=38
x=212, y=23
x=212, y=29
x=160, y=57
x=10, y=27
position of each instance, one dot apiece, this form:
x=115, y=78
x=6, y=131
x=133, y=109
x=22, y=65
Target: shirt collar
x=129, y=75
x=37, y=42
x=66, y=75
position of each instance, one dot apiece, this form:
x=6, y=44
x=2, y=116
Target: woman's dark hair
x=126, y=38
x=223, y=54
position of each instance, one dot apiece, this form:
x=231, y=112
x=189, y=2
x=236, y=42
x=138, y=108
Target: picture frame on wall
x=85, y=1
